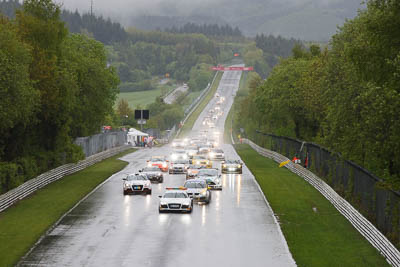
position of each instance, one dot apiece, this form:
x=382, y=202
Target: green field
x=24, y=223
x=144, y=98
x=316, y=233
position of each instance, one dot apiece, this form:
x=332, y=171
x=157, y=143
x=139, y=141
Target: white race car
x=136, y=183
x=211, y=177
x=175, y=199
x=179, y=166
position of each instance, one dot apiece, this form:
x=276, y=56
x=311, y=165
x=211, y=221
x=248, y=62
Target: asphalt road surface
x=109, y=229
x=177, y=92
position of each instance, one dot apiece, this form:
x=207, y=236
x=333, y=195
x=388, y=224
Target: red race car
x=159, y=161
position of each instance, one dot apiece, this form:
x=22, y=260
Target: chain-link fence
x=360, y=187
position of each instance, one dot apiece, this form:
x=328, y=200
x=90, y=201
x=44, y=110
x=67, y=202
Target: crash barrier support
x=11, y=197
x=361, y=188
x=365, y=227
x=97, y=143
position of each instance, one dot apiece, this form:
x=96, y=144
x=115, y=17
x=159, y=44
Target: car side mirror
x=140, y=170
x=209, y=187
x=124, y=179
x=220, y=175
x=160, y=196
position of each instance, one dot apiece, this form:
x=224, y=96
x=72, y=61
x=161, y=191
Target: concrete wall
x=100, y=142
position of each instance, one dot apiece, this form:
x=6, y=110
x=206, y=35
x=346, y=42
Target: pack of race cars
x=192, y=157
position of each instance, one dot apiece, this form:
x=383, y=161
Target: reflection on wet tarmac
x=234, y=229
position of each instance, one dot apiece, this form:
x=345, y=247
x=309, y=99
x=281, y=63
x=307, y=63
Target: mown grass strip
x=316, y=233
x=23, y=224
x=195, y=114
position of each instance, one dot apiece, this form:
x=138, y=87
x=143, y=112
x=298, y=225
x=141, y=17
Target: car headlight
x=204, y=192
x=126, y=185
x=163, y=203
x=173, y=156
x=212, y=154
x=164, y=164
x=239, y=166
x=223, y=165
x=185, y=156
x=159, y=174
x=148, y=164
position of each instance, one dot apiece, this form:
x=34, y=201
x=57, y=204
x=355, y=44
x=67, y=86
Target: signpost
x=141, y=115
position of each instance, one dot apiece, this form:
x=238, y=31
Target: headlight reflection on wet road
x=238, y=190
x=127, y=210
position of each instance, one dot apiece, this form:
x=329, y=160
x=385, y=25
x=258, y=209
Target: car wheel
x=162, y=180
x=149, y=192
x=124, y=193
x=190, y=211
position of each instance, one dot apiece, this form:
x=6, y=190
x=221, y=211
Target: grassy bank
x=317, y=234
x=195, y=114
x=144, y=98
x=23, y=224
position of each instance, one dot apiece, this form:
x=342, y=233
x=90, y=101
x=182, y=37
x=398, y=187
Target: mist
x=304, y=19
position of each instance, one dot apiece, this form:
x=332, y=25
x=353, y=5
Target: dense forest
x=54, y=87
x=345, y=97
x=103, y=30
x=156, y=53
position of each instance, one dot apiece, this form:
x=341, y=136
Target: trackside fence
x=357, y=185
x=363, y=225
x=27, y=188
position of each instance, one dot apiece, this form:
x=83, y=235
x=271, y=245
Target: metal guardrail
x=189, y=110
x=366, y=228
x=11, y=197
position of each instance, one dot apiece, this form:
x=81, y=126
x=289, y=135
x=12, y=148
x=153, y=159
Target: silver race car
x=231, y=166
x=175, y=199
x=198, y=190
x=216, y=154
x=178, y=166
x=136, y=183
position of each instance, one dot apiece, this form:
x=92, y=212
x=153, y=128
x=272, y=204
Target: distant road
x=171, y=98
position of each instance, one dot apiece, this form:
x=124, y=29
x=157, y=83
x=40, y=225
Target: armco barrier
x=367, y=229
x=24, y=190
x=196, y=102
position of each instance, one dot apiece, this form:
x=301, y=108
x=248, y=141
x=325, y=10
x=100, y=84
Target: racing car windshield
x=195, y=185
x=175, y=195
x=180, y=161
x=136, y=177
x=208, y=172
x=231, y=162
x=199, y=157
x=151, y=169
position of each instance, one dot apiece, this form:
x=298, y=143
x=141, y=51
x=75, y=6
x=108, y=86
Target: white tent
x=135, y=136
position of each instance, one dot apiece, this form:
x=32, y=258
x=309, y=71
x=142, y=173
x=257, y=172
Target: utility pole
x=91, y=8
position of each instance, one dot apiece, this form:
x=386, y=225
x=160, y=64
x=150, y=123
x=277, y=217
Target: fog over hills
x=303, y=19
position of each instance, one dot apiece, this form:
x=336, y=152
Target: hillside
x=301, y=19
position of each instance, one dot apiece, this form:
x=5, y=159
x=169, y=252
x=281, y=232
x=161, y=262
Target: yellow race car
x=202, y=161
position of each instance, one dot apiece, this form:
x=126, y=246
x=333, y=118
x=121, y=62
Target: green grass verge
x=195, y=114
x=24, y=223
x=321, y=238
x=228, y=127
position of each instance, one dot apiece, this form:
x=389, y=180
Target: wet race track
x=237, y=228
